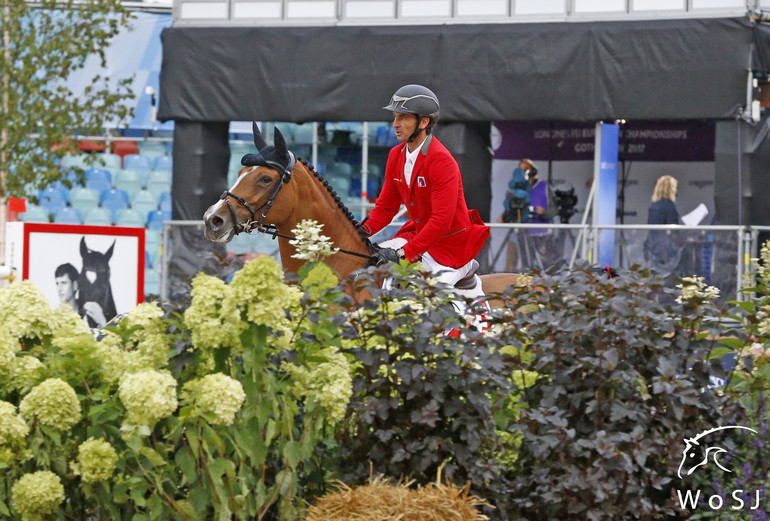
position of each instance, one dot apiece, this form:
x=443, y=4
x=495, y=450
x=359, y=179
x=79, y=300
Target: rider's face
x=404, y=125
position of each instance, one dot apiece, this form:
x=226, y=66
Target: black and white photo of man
x=66, y=278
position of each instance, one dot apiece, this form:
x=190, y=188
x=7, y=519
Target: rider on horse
x=423, y=175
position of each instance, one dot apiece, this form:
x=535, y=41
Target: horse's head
x=245, y=205
x=693, y=456
x=96, y=265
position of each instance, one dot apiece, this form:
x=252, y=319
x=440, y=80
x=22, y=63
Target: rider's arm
x=388, y=202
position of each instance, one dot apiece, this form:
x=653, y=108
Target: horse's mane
x=338, y=200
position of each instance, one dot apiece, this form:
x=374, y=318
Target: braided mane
x=345, y=210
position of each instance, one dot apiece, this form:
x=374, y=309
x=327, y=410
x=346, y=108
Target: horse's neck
x=314, y=201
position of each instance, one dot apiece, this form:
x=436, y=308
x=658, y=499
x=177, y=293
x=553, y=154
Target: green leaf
x=192, y=439
x=51, y=433
x=221, y=466
x=200, y=500
x=187, y=510
x=4, y=509
x=719, y=352
x=292, y=451
x=732, y=342
x=152, y=456
x=186, y=464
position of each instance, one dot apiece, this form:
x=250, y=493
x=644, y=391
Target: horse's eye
x=265, y=179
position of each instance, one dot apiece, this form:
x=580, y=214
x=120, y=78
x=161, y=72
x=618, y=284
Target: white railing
x=720, y=254
x=377, y=12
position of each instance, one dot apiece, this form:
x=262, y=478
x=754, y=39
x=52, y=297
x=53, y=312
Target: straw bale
x=379, y=500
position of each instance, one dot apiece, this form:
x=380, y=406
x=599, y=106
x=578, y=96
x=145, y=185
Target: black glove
x=385, y=255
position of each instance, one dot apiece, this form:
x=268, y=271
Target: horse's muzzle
x=219, y=225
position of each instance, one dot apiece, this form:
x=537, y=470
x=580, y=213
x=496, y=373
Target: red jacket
x=440, y=222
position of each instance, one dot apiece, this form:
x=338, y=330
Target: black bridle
x=269, y=229
x=250, y=225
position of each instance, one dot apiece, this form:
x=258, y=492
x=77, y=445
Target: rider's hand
x=385, y=255
x=361, y=225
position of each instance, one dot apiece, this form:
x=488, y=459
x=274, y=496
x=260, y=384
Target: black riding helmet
x=417, y=100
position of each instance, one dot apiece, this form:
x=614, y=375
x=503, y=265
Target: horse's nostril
x=216, y=222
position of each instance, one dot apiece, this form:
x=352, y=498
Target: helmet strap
x=417, y=130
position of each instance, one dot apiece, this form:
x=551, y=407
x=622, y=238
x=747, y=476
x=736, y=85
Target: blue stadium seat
x=152, y=245
x=67, y=215
x=152, y=148
x=110, y=161
x=137, y=162
x=144, y=202
x=130, y=218
x=51, y=199
x=34, y=214
x=71, y=160
x=165, y=204
x=61, y=187
x=151, y=282
x=163, y=163
x=97, y=217
x=99, y=174
x=100, y=185
x=84, y=198
x=155, y=219
x=165, y=196
x=99, y=179
x=114, y=194
x=128, y=180
x=158, y=181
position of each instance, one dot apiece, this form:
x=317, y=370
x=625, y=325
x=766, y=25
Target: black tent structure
x=672, y=69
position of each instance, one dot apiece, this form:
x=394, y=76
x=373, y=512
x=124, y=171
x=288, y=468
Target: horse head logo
x=697, y=451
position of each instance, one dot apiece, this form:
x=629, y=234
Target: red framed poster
x=98, y=270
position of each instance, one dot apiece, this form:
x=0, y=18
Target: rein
x=271, y=229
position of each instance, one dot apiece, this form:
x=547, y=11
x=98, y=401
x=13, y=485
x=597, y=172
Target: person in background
x=663, y=208
x=542, y=198
x=542, y=251
x=662, y=250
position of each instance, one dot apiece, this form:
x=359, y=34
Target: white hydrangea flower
x=26, y=373
x=258, y=288
x=148, y=396
x=95, y=461
x=37, y=494
x=695, y=287
x=12, y=427
x=8, y=348
x=54, y=403
x=25, y=311
x=310, y=244
x=328, y=382
x=216, y=393
x=213, y=319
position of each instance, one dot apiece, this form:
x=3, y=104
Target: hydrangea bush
x=214, y=412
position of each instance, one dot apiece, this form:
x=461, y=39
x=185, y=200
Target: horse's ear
x=280, y=143
x=108, y=253
x=83, y=247
x=259, y=141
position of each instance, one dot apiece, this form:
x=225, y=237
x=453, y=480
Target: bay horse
x=286, y=191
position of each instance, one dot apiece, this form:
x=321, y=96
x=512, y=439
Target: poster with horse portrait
x=98, y=270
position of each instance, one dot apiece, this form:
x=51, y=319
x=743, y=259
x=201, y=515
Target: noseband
x=285, y=172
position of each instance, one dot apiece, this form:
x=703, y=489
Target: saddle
x=469, y=281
